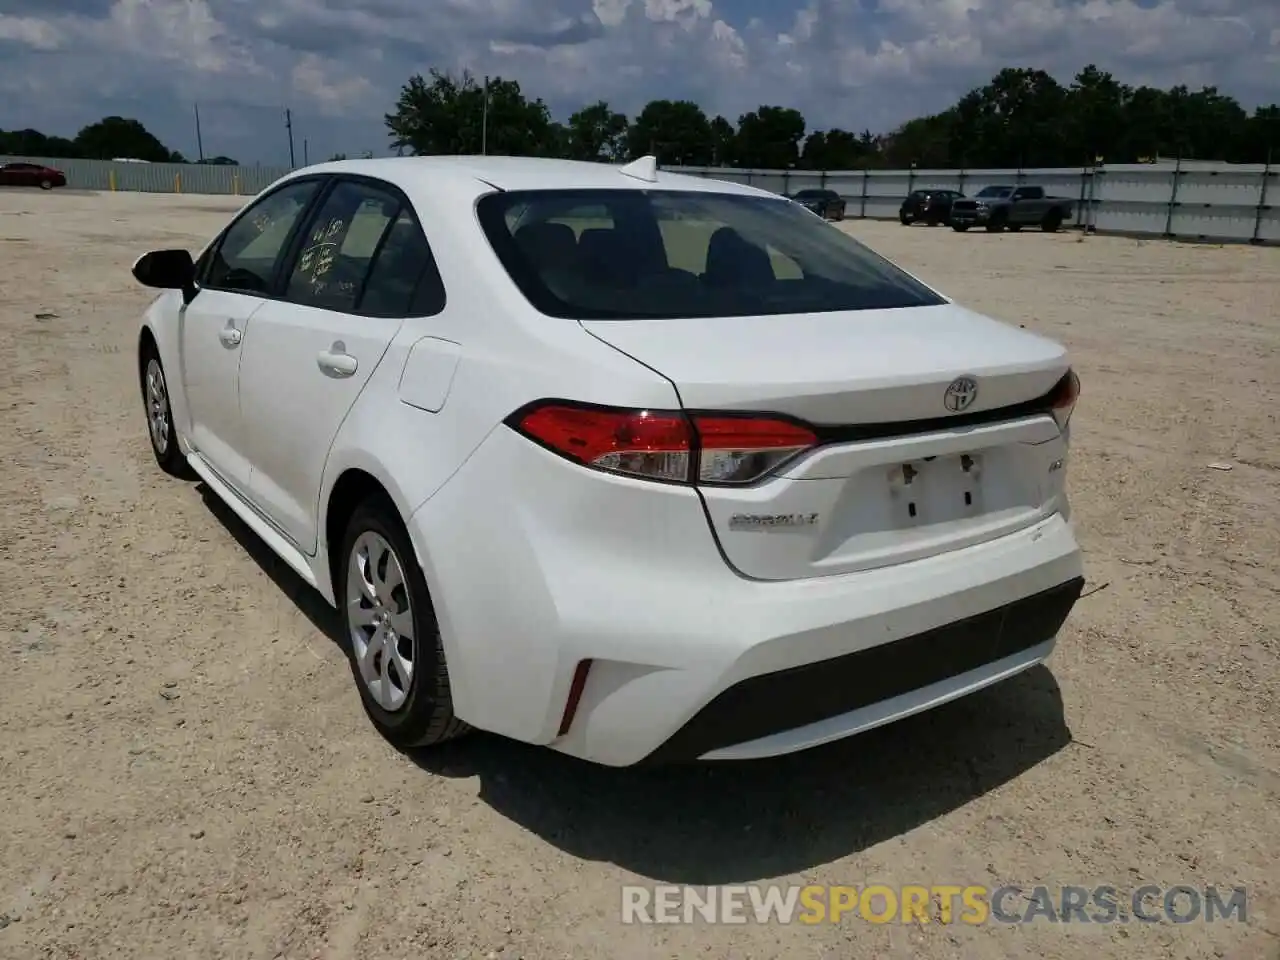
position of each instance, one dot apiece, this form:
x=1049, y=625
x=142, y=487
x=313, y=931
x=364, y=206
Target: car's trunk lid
x=898, y=475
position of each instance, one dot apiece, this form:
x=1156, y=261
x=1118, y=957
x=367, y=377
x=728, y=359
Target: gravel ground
x=185, y=770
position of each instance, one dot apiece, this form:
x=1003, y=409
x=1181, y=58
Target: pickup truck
x=1006, y=207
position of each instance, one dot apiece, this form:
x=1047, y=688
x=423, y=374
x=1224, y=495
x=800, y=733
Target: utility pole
x=199, y=139
x=484, y=121
x=305, y=161
x=288, y=125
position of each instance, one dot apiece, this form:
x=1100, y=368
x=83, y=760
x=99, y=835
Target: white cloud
x=341, y=62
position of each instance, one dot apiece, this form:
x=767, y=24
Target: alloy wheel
x=380, y=620
x=157, y=396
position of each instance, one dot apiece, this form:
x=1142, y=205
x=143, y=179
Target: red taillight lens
x=1063, y=397
x=744, y=449
x=653, y=444
x=666, y=445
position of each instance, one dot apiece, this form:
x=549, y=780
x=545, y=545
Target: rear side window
x=365, y=253
x=638, y=254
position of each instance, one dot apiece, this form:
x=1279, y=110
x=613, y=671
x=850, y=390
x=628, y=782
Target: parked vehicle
x=20, y=174
x=1005, y=207
x=636, y=465
x=825, y=203
x=928, y=206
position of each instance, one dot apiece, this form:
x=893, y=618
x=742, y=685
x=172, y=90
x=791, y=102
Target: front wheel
x=393, y=640
x=155, y=399
x=960, y=227
x=1015, y=227
x=46, y=184
x=904, y=219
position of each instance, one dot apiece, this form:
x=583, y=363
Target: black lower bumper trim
x=776, y=702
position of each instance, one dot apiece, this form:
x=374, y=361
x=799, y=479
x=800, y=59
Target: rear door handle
x=230, y=336
x=336, y=362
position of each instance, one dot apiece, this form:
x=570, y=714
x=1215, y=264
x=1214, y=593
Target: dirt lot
x=185, y=770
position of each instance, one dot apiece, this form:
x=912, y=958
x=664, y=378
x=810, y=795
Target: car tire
x=996, y=225
x=159, y=411
x=1052, y=221
x=904, y=219
x=381, y=591
x=1014, y=227
x=46, y=184
x=960, y=227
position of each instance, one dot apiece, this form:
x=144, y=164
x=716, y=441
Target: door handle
x=230, y=336
x=336, y=362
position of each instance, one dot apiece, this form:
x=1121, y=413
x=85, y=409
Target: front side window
x=996, y=193
x=245, y=260
x=637, y=254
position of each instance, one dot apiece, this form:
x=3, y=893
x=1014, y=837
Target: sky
x=338, y=65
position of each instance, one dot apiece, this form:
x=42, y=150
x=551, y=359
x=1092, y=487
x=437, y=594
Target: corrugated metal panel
x=1218, y=201
x=1192, y=199
x=160, y=177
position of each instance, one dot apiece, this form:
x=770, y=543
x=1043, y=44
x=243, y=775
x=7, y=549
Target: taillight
x=657, y=445
x=1063, y=397
x=663, y=445
x=744, y=449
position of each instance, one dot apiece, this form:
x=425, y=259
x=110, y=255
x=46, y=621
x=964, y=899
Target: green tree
x=675, y=131
x=769, y=138
x=596, y=133
x=839, y=150
x=113, y=137
x=724, y=142
x=443, y=114
x=33, y=143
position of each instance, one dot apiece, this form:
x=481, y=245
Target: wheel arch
x=146, y=340
x=353, y=484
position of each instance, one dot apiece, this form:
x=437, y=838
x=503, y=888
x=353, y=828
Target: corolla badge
x=772, y=521
x=960, y=394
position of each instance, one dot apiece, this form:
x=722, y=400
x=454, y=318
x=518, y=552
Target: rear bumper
x=792, y=709
x=536, y=565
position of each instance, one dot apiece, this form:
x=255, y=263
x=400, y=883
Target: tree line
x=107, y=139
x=1021, y=118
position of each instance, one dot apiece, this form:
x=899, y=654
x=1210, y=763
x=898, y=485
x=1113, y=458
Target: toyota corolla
x=638, y=466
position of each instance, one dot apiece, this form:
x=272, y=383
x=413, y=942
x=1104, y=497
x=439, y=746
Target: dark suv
x=929, y=206
x=825, y=203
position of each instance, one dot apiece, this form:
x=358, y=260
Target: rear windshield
x=638, y=254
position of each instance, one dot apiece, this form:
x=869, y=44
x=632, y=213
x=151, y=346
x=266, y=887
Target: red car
x=31, y=175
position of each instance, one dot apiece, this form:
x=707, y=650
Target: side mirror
x=167, y=270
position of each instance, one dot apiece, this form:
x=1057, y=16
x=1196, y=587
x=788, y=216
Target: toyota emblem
x=961, y=394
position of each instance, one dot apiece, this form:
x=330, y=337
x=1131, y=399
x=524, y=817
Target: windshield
x=637, y=254
x=1000, y=192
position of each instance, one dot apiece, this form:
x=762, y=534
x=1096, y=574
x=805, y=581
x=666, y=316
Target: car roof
x=481, y=174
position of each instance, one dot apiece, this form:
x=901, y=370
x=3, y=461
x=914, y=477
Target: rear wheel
x=393, y=640
x=1052, y=221
x=1015, y=227
x=960, y=227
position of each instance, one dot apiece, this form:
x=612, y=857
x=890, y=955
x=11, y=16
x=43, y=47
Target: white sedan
x=639, y=466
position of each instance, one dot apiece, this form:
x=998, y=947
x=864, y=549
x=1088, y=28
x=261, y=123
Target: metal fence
x=160, y=177
x=1193, y=200
x=1238, y=202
